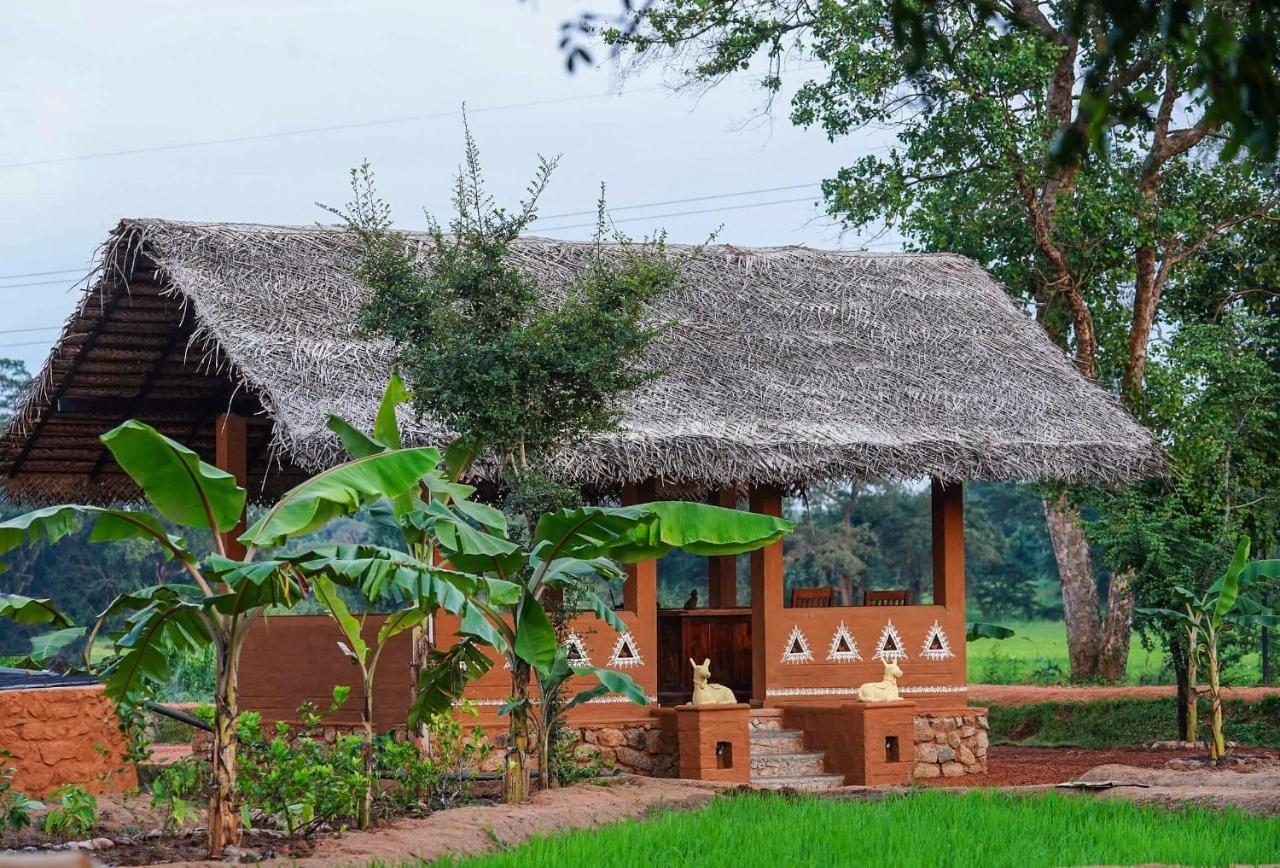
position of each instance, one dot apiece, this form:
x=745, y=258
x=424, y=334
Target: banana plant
x=222, y=597
x=1204, y=617
x=568, y=549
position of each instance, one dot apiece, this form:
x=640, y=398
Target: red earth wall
x=64, y=735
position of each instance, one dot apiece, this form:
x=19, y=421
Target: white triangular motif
x=936, y=645
x=843, y=649
x=577, y=650
x=797, y=650
x=625, y=653
x=890, y=646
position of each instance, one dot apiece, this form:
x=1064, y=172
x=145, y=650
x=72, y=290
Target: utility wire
x=609, y=210
x=358, y=125
x=44, y=273
x=37, y=283
x=682, y=213
x=34, y=329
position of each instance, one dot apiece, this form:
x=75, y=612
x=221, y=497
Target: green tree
x=14, y=381
x=222, y=597
x=1090, y=246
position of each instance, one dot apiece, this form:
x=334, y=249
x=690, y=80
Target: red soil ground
x=1028, y=766
x=1019, y=694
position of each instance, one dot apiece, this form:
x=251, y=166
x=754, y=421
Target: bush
x=176, y=785
x=15, y=807
x=298, y=785
x=421, y=782
x=76, y=813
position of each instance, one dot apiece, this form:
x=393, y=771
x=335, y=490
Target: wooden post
x=766, y=593
x=722, y=572
x=232, y=455
x=640, y=592
x=948, y=544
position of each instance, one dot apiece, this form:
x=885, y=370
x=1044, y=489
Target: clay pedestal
x=886, y=731
x=714, y=742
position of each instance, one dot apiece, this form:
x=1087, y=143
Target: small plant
x=569, y=768
x=297, y=783
x=175, y=786
x=75, y=814
x=15, y=806
x=438, y=778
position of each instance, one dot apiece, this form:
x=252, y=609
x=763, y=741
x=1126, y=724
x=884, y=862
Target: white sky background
x=86, y=77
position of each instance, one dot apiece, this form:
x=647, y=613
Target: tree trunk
x=1193, y=700
x=364, y=817
x=1179, y=659
x=1079, y=593
x=515, y=773
x=1117, y=628
x=224, y=819
x=1217, y=742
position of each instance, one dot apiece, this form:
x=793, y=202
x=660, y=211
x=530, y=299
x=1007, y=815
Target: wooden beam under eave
x=231, y=451
x=722, y=571
x=766, y=592
x=948, y=543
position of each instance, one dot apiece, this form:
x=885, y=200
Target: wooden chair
x=886, y=598
x=812, y=598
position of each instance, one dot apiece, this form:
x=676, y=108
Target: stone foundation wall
x=951, y=744
x=641, y=747
x=64, y=735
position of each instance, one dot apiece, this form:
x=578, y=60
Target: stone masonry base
x=951, y=743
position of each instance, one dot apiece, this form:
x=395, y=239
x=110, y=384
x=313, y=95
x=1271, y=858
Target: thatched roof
x=782, y=365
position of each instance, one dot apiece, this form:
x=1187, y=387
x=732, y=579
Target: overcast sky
x=82, y=81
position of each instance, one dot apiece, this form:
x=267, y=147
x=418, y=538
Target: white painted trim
x=843, y=656
x=936, y=654
x=890, y=656
x=804, y=655
x=853, y=691
x=625, y=662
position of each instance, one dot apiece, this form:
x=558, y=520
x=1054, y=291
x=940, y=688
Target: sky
x=253, y=112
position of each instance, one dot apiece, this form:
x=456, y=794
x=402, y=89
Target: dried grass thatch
x=781, y=366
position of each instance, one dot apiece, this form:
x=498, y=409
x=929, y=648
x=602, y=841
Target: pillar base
x=714, y=742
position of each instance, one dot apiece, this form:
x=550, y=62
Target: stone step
x=766, y=719
x=766, y=741
x=804, y=783
x=810, y=762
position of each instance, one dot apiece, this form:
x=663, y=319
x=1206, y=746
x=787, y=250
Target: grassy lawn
x=1037, y=654
x=1124, y=722
x=927, y=828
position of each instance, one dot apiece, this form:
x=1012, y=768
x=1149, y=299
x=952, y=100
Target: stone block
x=927, y=752
x=944, y=755
x=966, y=756
x=952, y=770
x=927, y=770
x=634, y=760
x=982, y=740
x=953, y=740
x=609, y=737
x=634, y=738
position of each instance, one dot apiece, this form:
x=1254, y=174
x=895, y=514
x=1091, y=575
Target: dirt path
x=1032, y=766
x=1018, y=694
x=465, y=831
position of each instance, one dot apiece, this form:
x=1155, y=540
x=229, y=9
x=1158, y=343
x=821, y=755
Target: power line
x=682, y=213
x=24, y=344
x=358, y=125
x=42, y=273
x=681, y=201
x=37, y=283
x=34, y=329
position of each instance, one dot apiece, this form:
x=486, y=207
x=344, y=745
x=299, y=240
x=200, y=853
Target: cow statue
x=709, y=694
x=882, y=691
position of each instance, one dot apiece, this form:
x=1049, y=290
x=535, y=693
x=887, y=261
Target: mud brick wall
x=951, y=743
x=64, y=735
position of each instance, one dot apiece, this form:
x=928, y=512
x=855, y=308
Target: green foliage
x=177, y=786
x=14, y=381
x=74, y=814
x=924, y=828
x=15, y=806
x=485, y=350
x=1112, y=723
x=297, y=783
x=439, y=779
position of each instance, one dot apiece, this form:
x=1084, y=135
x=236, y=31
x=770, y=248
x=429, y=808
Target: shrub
x=15, y=807
x=422, y=782
x=76, y=813
x=176, y=785
x=299, y=785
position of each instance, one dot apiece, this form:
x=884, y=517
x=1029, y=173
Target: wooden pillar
x=948, y=544
x=232, y=455
x=766, y=593
x=640, y=597
x=722, y=572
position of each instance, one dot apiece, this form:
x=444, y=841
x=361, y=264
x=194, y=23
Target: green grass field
x=1037, y=654
x=928, y=828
